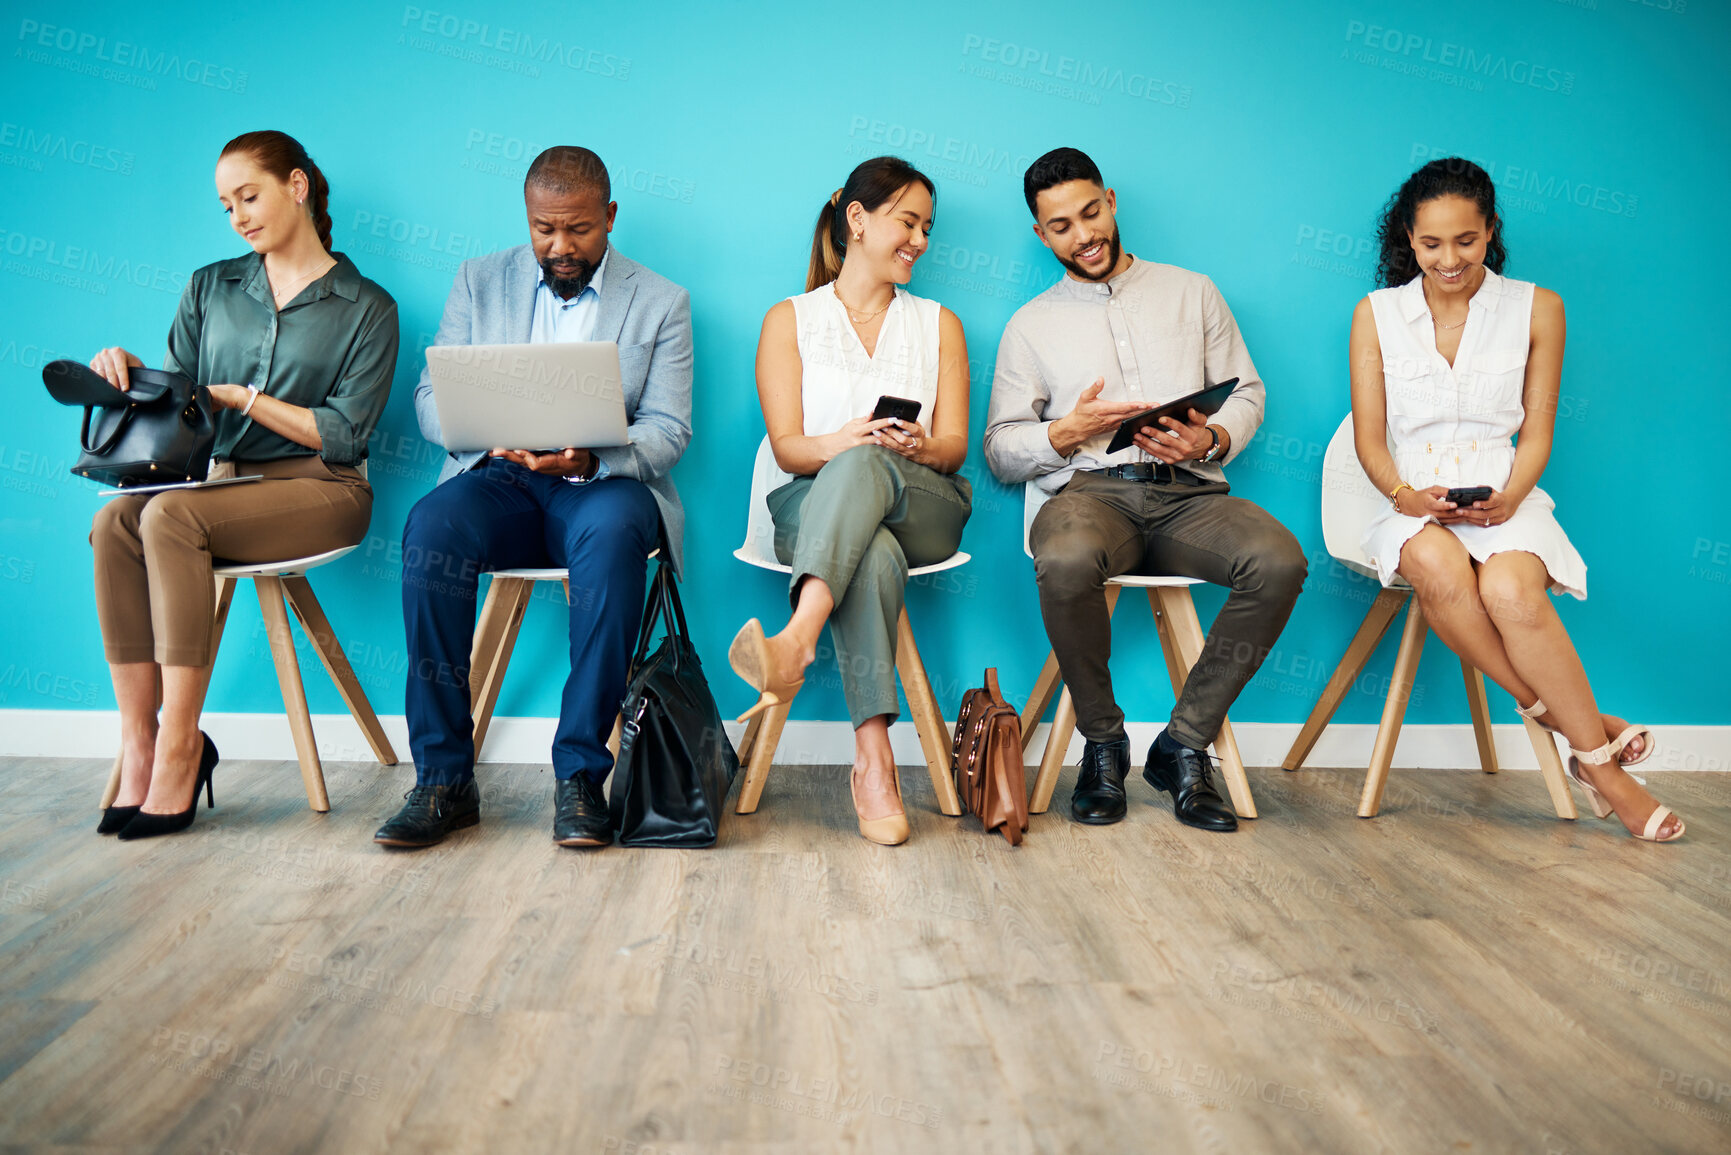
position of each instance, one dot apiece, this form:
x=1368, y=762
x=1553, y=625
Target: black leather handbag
x=161, y=430
x=676, y=763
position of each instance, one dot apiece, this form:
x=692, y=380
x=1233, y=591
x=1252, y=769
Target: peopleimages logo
x=1416, y=49
x=1088, y=76
x=464, y=33
x=58, y=146
x=1516, y=181
x=123, y=54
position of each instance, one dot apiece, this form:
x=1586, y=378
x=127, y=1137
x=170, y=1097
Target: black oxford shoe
x=430, y=813
x=1185, y=774
x=580, y=815
x=1098, y=799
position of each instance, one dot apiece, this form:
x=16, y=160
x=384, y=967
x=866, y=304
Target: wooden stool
x=275, y=581
x=1181, y=640
x=496, y=636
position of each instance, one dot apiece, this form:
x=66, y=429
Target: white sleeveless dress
x=838, y=382
x=1453, y=425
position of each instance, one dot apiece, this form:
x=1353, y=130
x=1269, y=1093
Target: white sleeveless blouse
x=838, y=382
x=1453, y=425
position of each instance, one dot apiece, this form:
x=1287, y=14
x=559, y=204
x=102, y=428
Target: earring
x=859, y=236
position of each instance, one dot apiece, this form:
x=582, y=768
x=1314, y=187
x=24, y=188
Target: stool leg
x=1052, y=760
x=1364, y=643
x=748, y=740
x=1187, y=631
x=488, y=629
x=1551, y=766
x=762, y=755
x=318, y=630
x=294, y=698
x=514, y=601
x=1045, y=686
x=1480, y=710
x=112, y=790
x=1412, y=637
x=935, y=737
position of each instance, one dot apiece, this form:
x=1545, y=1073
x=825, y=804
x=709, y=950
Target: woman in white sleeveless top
x=855, y=501
x=1450, y=361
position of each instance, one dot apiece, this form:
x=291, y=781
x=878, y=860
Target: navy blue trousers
x=502, y=516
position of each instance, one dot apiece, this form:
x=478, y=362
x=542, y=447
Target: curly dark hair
x=1451, y=176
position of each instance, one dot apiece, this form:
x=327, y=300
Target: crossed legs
x=850, y=533
x=1498, y=615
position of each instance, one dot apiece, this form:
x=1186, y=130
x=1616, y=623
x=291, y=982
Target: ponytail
x=1451, y=176
x=828, y=244
x=872, y=184
x=280, y=154
x=319, y=202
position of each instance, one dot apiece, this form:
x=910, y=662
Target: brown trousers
x=155, y=594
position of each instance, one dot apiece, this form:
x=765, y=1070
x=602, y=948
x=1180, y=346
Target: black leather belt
x=1142, y=471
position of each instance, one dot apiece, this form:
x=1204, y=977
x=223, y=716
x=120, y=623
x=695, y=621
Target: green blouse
x=333, y=350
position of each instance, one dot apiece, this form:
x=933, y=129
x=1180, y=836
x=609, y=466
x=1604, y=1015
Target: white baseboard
x=95, y=734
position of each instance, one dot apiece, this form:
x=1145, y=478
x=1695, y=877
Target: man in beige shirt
x=1113, y=338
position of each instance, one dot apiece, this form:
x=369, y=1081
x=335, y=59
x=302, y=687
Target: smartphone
x=1467, y=495
x=901, y=408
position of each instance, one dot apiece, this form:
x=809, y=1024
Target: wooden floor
x=1463, y=973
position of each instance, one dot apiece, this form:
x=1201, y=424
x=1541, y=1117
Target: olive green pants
x=859, y=524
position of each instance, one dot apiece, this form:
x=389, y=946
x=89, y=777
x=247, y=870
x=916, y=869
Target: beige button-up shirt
x=1154, y=332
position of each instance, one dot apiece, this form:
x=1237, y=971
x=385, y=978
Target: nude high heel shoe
x=1601, y=805
x=891, y=829
x=750, y=659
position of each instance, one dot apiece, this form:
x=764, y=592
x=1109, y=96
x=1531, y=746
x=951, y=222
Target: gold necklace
x=1437, y=324
x=277, y=294
x=854, y=314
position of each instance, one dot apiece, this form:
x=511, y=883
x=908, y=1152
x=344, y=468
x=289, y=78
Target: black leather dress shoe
x=430, y=813
x=580, y=815
x=1098, y=798
x=1184, y=774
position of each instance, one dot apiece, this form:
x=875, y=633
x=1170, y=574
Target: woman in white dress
x=855, y=501
x=1450, y=360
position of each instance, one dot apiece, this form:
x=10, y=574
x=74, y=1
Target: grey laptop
x=547, y=396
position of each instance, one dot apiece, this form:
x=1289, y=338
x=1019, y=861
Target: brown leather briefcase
x=987, y=761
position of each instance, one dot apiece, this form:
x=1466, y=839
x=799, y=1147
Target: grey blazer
x=493, y=303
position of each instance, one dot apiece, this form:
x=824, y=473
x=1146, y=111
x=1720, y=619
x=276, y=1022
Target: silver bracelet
x=252, y=391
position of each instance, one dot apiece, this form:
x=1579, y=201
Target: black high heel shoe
x=115, y=818
x=146, y=825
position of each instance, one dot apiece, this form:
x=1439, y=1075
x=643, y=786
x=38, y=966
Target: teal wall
x=1251, y=140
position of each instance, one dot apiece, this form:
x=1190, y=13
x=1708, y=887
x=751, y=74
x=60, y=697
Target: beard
x=1113, y=252
x=568, y=286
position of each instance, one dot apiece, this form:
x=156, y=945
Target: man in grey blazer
x=597, y=512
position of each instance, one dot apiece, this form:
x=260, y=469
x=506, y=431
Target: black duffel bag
x=675, y=763
x=160, y=430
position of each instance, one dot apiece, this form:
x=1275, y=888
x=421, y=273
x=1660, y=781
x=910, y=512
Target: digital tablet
x=134, y=490
x=1208, y=402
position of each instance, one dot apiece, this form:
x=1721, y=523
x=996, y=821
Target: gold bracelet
x=1394, y=495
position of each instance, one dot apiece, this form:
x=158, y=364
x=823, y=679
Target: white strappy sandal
x=1637, y=730
x=1602, y=808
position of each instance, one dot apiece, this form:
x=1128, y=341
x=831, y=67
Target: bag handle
x=122, y=420
x=651, y=614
